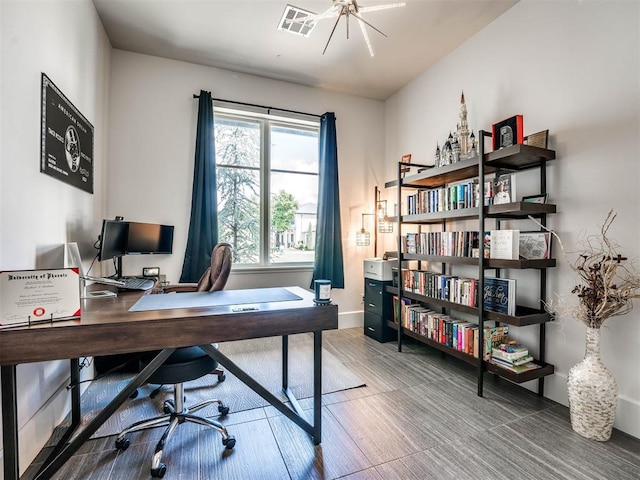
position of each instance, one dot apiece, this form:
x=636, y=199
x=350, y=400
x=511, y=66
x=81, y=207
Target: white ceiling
x=242, y=36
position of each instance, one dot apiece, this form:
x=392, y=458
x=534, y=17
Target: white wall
x=152, y=144
x=570, y=67
x=38, y=213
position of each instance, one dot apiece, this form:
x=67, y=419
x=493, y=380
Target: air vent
x=297, y=20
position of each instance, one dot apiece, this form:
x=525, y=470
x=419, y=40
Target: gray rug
x=260, y=358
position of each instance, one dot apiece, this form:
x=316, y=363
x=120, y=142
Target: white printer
x=378, y=269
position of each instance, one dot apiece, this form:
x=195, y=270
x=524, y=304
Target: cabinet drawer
x=374, y=327
x=373, y=289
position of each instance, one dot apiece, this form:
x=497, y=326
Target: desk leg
x=9, y=422
x=91, y=428
x=296, y=415
x=285, y=362
x=317, y=387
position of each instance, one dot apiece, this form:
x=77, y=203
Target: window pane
x=294, y=149
x=293, y=217
x=237, y=146
x=294, y=196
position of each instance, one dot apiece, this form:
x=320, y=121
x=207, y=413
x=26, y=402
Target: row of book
x=461, y=290
x=499, y=244
x=452, y=197
x=499, y=294
x=501, y=189
x=450, y=244
x=452, y=332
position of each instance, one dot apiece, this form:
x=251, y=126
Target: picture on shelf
x=542, y=198
x=406, y=159
x=535, y=245
x=504, y=189
x=537, y=139
x=508, y=132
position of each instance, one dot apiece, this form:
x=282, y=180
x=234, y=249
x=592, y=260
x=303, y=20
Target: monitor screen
x=113, y=239
x=149, y=238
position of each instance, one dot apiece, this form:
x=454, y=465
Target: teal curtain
x=328, y=255
x=203, y=223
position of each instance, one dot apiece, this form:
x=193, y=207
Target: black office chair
x=183, y=365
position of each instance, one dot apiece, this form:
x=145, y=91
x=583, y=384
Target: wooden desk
x=107, y=327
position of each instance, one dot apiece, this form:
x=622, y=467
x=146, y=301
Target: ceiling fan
x=302, y=22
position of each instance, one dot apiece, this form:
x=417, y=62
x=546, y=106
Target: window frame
x=266, y=122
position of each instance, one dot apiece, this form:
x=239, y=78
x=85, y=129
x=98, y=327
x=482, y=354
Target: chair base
x=175, y=414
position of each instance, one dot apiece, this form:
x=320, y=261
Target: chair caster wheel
x=222, y=377
x=123, y=444
x=159, y=472
x=134, y=394
x=155, y=393
x=223, y=409
x=229, y=442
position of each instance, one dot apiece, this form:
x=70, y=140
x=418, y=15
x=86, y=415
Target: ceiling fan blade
x=376, y=8
x=331, y=35
x=366, y=36
x=363, y=20
x=328, y=13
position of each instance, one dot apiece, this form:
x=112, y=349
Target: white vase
x=593, y=393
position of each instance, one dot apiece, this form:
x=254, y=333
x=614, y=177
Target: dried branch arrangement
x=607, y=281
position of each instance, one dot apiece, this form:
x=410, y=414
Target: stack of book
x=514, y=357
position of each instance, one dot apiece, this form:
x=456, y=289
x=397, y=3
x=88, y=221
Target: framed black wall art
x=66, y=150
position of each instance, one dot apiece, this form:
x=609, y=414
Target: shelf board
x=524, y=315
x=543, y=371
x=489, y=263
x=505, y=210
x=515, y=157
x=519, y=210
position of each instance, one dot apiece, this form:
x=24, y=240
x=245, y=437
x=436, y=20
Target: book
x=499, y=295
x=505, y=244
x=510, y=351
x=534, y=245
x=516, y=362
x=504, y=188
x=520, y=368
x=493, y=336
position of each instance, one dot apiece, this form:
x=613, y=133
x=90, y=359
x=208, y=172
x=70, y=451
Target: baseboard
x=350, y=319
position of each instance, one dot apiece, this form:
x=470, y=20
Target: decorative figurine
x=463, y=129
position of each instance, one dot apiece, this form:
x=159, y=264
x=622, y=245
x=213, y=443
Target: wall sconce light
x=363, y=237
x=384, y=224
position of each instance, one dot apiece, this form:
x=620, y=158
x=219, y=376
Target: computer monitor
x=149, y=238
x=113, y=239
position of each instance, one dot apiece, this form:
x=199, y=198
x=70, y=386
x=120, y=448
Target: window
x=267, y=175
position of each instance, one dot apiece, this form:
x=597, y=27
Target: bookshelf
x=512, y=159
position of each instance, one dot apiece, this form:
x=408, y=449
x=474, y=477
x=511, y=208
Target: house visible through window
x=267, y=176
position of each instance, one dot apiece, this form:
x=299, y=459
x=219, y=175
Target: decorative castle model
x=461, y=143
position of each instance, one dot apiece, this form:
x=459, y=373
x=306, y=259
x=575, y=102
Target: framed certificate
x=28, y=296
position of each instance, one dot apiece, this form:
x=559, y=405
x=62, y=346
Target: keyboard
x=136, y=283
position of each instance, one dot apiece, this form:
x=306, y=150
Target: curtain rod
x=262, y=106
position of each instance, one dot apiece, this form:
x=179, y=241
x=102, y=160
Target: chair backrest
x=216, y=276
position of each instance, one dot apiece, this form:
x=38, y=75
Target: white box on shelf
x=378, y=269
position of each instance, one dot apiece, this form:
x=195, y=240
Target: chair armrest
x=181, y=288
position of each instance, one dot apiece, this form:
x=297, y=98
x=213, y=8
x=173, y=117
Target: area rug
x=260, y=358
